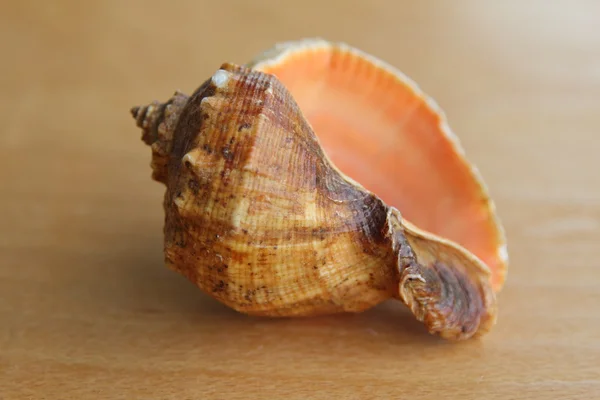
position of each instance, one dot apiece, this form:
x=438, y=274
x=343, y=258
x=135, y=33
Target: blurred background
x=84, y=294
x=506, y=73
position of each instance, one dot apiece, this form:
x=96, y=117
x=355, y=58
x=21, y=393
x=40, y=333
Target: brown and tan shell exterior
x=259, y=218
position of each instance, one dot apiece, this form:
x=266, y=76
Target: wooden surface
x=87, y=309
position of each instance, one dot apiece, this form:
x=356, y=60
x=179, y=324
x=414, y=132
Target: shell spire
x=158, y=121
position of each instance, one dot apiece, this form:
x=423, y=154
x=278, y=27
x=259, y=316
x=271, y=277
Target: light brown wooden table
x=87, y=310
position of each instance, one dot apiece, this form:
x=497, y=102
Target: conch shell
x=291, y=182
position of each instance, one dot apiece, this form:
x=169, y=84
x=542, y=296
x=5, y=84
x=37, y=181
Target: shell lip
x=283, y=52
x=444, y=285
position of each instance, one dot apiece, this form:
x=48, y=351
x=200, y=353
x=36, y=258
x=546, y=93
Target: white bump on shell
x=220, y=78
x=189, y=158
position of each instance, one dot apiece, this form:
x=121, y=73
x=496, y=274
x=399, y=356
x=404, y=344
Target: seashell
x=318, y=180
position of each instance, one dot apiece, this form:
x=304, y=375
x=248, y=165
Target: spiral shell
x=259, y=216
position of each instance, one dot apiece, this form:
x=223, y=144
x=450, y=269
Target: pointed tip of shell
x=135, y=111
x=145, y=115
x=138, y=113
x=157, y=122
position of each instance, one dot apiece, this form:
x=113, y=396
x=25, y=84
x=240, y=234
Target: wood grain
x=87, y=309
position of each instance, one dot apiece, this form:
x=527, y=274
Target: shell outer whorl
x=250, y=190
x=258, y=217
